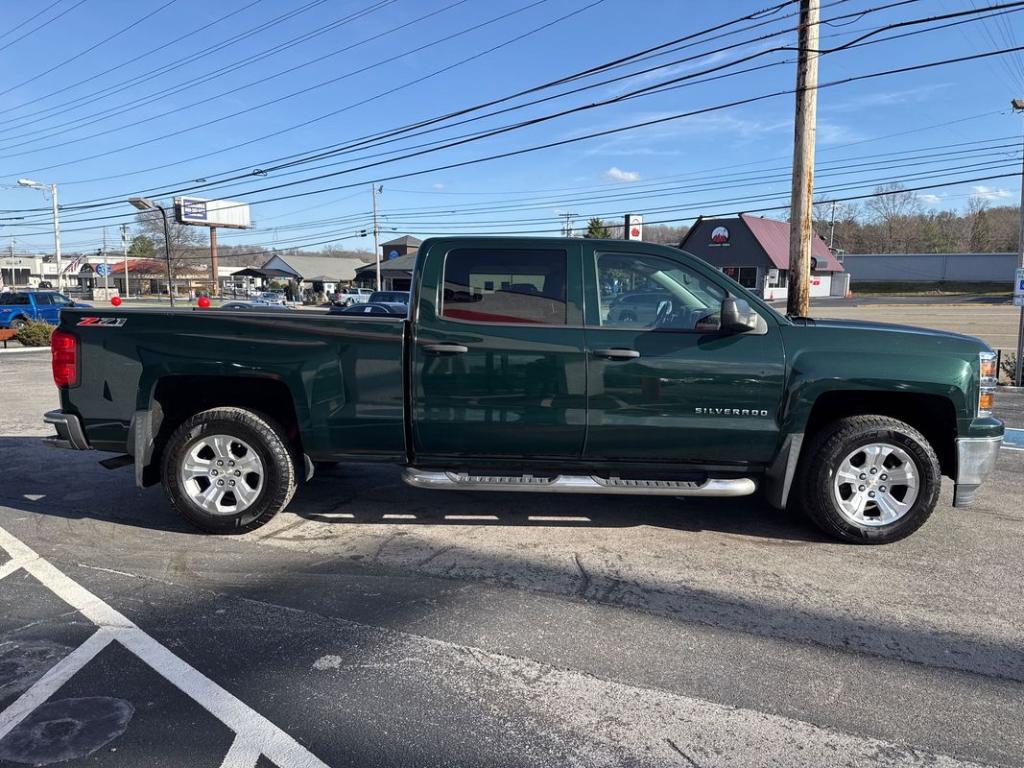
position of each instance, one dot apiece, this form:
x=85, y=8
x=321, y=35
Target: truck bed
x=342, y=375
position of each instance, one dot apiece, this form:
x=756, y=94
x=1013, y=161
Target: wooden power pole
x=376, y=231
x=798, y=301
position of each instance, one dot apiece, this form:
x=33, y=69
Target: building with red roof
x=754, y=251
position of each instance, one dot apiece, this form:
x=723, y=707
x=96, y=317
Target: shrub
x=35, y=334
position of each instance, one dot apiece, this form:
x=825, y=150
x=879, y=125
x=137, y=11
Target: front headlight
x=989, y=375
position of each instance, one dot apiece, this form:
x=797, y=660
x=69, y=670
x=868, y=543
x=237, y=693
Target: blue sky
x=360, y=60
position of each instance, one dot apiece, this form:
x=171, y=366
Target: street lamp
x=56, y=223
x=145, y=204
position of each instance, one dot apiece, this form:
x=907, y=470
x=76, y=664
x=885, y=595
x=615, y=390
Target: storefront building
x=754, y=252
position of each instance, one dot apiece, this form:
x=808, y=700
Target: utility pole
x=1018, y=106
x=798, y=301
x=56, y=224
x=832, y=226
x=214, y=260
x=374, y=191
x=124, y=251
x=567, y=227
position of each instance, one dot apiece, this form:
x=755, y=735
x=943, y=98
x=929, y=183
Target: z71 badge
x=108, y=322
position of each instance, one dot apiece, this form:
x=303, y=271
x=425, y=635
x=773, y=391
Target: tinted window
x=639, y=290
x=16, y=299
x=44, y=298
x=505, y=286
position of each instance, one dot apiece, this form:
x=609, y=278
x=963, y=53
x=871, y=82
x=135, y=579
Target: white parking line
x=255, y=735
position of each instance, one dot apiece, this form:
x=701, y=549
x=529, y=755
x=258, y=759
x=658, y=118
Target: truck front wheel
x=868, y=479
x=228, y=470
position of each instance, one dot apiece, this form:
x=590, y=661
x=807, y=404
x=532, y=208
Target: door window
x=44, y=298
x=505, y=286
x=14, y=299
x=643, y=291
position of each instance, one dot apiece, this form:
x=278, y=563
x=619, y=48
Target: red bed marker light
x=204, y=302
x=116, y=301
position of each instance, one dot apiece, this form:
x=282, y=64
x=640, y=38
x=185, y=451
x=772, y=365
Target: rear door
x=668, y=386
x=498, y=368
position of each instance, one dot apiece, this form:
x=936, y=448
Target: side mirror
x=737, y=316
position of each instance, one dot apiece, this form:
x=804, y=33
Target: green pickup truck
x=512, y=373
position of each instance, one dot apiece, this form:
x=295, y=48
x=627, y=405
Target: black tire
x=267, y=439
x=18, y=323
x=627, y=317
x=815, y=493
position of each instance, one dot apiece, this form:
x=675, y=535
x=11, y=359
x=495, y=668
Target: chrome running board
x=462, y=481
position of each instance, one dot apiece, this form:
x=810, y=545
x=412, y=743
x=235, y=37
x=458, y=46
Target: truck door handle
x=617, y=354
x=446, y=348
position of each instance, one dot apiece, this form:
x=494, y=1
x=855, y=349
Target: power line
x=617, y=62
x=40, y=26
x=91, y=48
x=561, y=80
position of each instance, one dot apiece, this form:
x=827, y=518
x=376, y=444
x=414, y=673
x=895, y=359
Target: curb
x=23, y=350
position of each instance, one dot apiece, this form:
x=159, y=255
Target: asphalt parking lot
x=374, y=624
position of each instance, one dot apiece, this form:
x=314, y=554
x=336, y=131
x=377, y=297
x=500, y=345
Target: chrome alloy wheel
x=876, y=484
x=222, y=474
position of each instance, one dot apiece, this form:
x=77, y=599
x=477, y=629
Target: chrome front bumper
x=975, y=459
x=69, y=430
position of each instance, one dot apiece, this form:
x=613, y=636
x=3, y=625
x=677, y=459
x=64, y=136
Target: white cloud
x=928, y=197
x=990, y=193
x=438, y=186
x=617, y=174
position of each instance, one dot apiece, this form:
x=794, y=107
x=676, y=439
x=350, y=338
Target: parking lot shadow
x=71, y=484
x=375, y=495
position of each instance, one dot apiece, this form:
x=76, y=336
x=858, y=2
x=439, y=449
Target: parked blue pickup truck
x=21, y=307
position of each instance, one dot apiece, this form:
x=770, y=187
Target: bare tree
x=185, y=240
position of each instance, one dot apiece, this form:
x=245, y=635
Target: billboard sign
x=212, y=213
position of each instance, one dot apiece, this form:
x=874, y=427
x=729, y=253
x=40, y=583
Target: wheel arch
x=933, y=415
x=177, y=397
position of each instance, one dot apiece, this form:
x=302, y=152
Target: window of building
x=745, y=276
x=505, y=286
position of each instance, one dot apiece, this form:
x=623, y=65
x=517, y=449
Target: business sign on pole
x=634, y=228
x=103, y=270
x=1018, y=288
x=212, y=213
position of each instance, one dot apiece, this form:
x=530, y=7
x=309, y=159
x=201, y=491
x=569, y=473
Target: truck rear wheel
x=228, y=470
x=869, y=479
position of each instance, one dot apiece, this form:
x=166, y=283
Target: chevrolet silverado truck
x=511, y=373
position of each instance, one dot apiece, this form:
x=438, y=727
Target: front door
x=498, y=368
x=665, y=385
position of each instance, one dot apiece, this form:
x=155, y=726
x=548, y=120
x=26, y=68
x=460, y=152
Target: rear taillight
x=64, y=353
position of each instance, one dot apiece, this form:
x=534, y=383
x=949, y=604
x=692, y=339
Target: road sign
x=102, y=270
x=1018, y=288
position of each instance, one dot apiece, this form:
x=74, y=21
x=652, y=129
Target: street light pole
x=145, y=204
x=56, y=224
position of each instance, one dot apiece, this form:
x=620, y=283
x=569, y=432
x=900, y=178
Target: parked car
x=507, y=377
x=261, y=306
x=352, y=296
x=390, y=297
x=639, y=307
x=21, y=307
x=269, y=297
x=376, y=308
